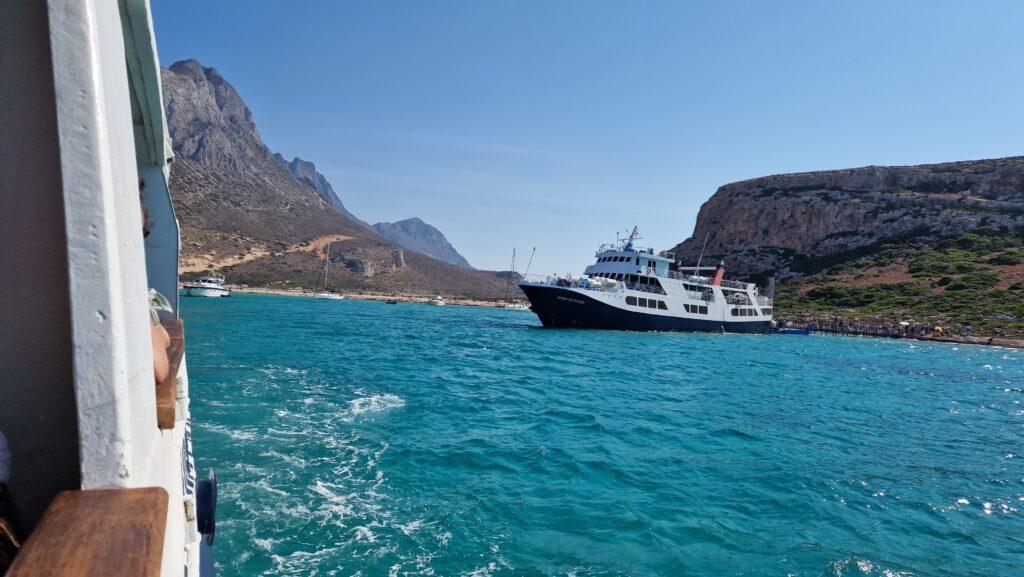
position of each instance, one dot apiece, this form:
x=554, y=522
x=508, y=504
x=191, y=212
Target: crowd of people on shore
x=902, y=329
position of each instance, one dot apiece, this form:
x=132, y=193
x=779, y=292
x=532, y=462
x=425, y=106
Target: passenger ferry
x=633, y=288
x=97, y=475
x=207, y=286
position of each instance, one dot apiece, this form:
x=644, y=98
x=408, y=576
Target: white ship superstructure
x=99, y=477
x=634, y=288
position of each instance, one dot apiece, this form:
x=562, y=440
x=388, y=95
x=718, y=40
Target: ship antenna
x=701, y=257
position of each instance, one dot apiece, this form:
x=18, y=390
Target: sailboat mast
x=327, y=263
x=508, y=281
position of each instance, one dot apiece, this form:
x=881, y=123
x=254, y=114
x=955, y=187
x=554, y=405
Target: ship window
x=642, y=302
x=686, y=308
x=703, y=310
x=618, y=276
x=735, y=313
x=662, y=305
x=631, y=301
x=766, y=311
x=637, y=260
x=652, y=304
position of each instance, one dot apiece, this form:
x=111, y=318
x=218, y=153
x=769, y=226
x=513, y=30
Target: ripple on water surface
x=356, y=438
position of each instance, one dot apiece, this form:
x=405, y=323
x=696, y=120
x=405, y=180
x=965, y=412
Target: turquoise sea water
x=359, y=438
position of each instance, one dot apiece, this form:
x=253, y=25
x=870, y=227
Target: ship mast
x=632, y=237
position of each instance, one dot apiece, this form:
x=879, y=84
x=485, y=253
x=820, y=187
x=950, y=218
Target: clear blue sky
x=556, y=124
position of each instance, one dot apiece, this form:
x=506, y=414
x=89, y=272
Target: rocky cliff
x=772, y=224
x=307, y=174
x=414, y=234
x=245, y=214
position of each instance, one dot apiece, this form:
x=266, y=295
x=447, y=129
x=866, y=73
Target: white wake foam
x=373, y=404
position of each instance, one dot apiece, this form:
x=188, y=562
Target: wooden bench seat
x=108, y=532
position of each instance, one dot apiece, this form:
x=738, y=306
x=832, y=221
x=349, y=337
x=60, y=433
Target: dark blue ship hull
x=561, y=308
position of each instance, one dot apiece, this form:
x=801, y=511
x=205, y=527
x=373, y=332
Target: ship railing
x=571, y=282
x=734, y=284
x=673, y=274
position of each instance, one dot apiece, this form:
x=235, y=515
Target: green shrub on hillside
x=975, y=281
x=840, y=296
x=937, y=263
x=1010, y=257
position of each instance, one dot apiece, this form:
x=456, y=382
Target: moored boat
x=327, y=293
x=437, y=301
x=207, y=286
x=633, y=288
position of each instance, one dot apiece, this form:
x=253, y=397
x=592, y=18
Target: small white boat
x=329, y=296
x=437, y=302
x=207, y=286
x=326, y=293
x=517, y=307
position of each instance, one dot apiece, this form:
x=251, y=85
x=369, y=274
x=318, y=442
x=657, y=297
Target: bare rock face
x=306, y=173
x=374, y=263
x=208, y=121
x=414, y=234
x=760, y=225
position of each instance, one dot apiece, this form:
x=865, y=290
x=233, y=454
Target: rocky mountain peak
x=306, y=173
x=208, y=120
x=414, y=234
x=262, y=220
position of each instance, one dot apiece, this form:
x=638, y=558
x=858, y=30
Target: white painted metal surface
x=103, y=155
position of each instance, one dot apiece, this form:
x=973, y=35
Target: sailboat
x=327, y=293
x=514, y=305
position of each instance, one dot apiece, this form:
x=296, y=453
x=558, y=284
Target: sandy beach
x=421, y=299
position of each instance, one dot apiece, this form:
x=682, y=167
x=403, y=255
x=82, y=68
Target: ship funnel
x=719, y=274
